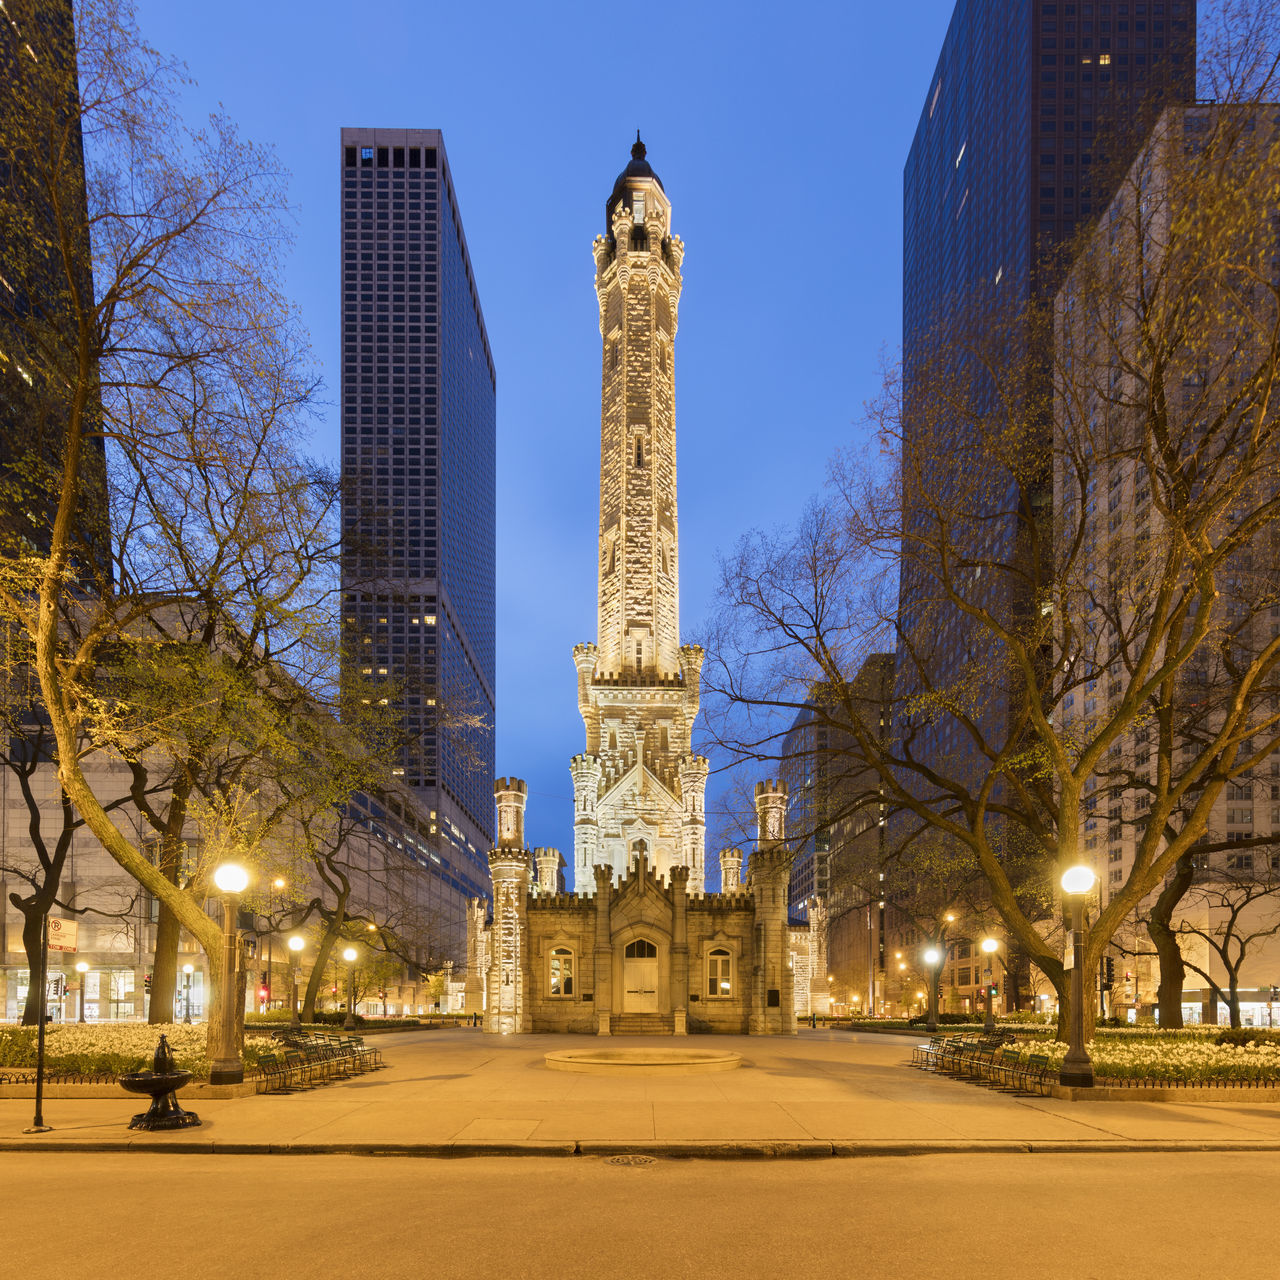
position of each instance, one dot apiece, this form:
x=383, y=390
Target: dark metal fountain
x=161, y=1084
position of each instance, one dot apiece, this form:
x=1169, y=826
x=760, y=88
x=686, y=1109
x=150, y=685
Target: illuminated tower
x=638, y=787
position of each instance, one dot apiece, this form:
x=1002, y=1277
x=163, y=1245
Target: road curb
x=690, y=1150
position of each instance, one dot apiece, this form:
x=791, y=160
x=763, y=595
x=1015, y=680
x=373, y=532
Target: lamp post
x=226, y=1067
x=276, y=885
x=295, y=949
x=1077, y=1069
x=933, y=957
x=989, y=946
x=349, y=955
x=82, y=968
x=187, y=970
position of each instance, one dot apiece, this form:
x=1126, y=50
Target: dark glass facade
x=418, y=464
x=44, y=243
x=1031, y=109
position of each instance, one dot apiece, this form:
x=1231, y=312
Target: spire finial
x=637, y=148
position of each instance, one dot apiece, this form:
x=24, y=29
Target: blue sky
x=779, y=132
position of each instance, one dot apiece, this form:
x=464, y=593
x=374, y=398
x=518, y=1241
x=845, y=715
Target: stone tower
x=638, y=787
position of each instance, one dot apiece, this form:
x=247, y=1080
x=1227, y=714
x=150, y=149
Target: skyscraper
x=418, y=446
x=1032, y=113
x=44, y=248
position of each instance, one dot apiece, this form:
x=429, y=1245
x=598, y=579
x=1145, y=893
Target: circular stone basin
x=643, y=1062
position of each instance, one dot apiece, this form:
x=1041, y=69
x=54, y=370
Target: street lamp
x=990, y=946
x=188, y=970
x=933, y=957
x=349, y=955
x=82, y=968
x=1077, y=1069
x=295, y=948
x=227, y=1068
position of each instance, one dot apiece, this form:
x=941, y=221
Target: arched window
x=719, y=975
x=561, y=983
x=641, y=949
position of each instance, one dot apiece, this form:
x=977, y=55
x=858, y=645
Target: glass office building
x=1031, y=110
x=418, y=465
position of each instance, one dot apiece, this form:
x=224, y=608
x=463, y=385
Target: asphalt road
x=1020, y=1217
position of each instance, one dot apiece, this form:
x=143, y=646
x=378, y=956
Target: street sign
x=63, y=934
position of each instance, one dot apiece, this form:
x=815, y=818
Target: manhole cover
x=630, y=1160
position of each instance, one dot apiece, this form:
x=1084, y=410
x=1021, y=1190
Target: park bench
x=925, y=1055
x=1034, y=1074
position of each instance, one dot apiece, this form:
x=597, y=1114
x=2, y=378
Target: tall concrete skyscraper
x=418, y=462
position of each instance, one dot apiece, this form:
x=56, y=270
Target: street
x=1053, y=1217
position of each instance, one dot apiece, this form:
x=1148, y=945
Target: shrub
x=946, y=1020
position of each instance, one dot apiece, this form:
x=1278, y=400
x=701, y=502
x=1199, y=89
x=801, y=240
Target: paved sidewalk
x=820, y=1093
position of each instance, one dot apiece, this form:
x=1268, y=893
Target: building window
x=719, y=979
x=561, y=972
x=641, y=949
x=637, y=208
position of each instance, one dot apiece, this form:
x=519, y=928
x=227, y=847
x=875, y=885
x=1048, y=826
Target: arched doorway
x=640, y=977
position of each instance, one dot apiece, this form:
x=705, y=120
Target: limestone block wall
x=720, y=922
x=568, y=921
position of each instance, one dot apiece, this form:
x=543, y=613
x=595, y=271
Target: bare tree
x=1041, y=672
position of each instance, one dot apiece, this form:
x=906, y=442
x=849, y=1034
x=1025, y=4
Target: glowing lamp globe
x=296, y=943
x=82, y=966
x=231, y=878
x=349, y=955
x=989, y=945
x=188, y=968
x=1078, y=880
x=931, y=957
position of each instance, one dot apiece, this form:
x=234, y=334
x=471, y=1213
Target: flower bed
x=115, y=1048
x=1173, y=1059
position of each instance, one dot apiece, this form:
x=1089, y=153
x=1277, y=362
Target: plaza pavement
x=821, y=1093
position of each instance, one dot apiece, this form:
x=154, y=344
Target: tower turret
x=637, y=687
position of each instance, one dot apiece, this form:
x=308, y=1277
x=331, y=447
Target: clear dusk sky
x=779, y=132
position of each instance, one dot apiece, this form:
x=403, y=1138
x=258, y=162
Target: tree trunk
x=333, y=929
x=32, y=921
x=1233, y=998
x=1172, y=970
x=164, y=967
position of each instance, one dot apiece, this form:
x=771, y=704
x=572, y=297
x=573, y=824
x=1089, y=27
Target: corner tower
x=638, y=788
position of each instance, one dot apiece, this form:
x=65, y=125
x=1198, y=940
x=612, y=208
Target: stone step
x=641, y=1024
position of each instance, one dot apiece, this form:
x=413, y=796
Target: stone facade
x=642, y=955
x=638, y=786
x=639, y=946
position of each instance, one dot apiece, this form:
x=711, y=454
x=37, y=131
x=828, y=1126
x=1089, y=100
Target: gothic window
x=613, y=741
x=637, y=208
x=561, y=983
x=613, y=356
x=639, y=452
x=641, y=949
x=662, y=358
x=613, y=556
x=719, y=979
x=663, y=740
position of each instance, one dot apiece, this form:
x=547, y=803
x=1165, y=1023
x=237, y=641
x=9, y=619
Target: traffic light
x=1108, y=970
x=995, y=990
x=263, y=979
x=146, y=982
x=1275, y=993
